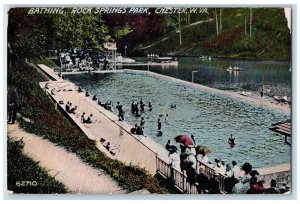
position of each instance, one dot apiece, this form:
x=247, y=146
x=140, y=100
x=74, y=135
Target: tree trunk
x=217, y=27
x=250, y=23
x=245, y=24
x=180, y=41
x=221, y=10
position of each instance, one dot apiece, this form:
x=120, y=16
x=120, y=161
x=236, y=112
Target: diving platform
x=284, y=128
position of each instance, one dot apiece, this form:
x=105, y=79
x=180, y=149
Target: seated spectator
x=68, y=106
x=87, y=93
x=133, y=130
x=139, y=130
x=95, y=97
x=100, y=103
x=107, y=146
x=89, y=119
x=73, y=110
x=80, y=89
x=83, y=117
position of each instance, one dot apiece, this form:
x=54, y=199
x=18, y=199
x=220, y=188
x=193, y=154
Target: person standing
x=167, y=118
x=121, y=111
x=158, y=124
x=150, y=106
x=132, y=107
x=261, y=94
x=13, y=105
x=272, y=189
x=201, y=181
x=174, y=158
x=142, y=122
x=236, y=170
x=213, y=184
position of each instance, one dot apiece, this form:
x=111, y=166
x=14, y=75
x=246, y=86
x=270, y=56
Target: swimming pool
x=210, y=117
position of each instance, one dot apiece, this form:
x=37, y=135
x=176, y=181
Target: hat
x=217, y=160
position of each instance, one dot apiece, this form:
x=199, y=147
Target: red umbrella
x=184, y=140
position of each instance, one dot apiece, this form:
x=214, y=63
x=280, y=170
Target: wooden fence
x=179, y=179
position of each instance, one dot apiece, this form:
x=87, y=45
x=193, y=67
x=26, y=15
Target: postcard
x=149, y=100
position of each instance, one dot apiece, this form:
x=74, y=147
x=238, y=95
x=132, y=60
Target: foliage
x=72, y=30
x=32, y=35
x=122, y=31
x=28, y=35
x=22, y=168
x=270, y=37
x=53, y=125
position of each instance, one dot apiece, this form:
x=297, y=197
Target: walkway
x=128, y=148
x=66, y=167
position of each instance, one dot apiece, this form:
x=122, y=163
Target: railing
x=179, y=179
x=209, y=172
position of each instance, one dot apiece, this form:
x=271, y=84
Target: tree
x=216, y=18
x=221, y=11
x=245, y=17
x=79, y=30
x=174, y=20
x=250, y=23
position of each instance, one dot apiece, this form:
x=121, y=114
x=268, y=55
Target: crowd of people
x=83, y=59
x=238, y=180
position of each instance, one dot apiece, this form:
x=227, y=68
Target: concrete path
x=66, y=167
x=128, y=148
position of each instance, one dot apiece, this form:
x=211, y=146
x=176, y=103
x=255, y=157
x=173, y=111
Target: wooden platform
x=284, y=128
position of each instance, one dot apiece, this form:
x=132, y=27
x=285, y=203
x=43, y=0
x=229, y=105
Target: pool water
x=211, y=118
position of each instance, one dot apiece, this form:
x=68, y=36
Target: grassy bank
x=51, y=124
x=25, y=175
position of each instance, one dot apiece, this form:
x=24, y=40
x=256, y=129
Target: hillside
x=269, y=38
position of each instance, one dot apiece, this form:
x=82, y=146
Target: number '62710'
x=26, y=183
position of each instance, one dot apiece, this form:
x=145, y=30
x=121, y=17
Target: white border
x=230, y=3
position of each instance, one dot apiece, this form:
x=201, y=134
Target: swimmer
x=150, y=106
x=231, y=141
